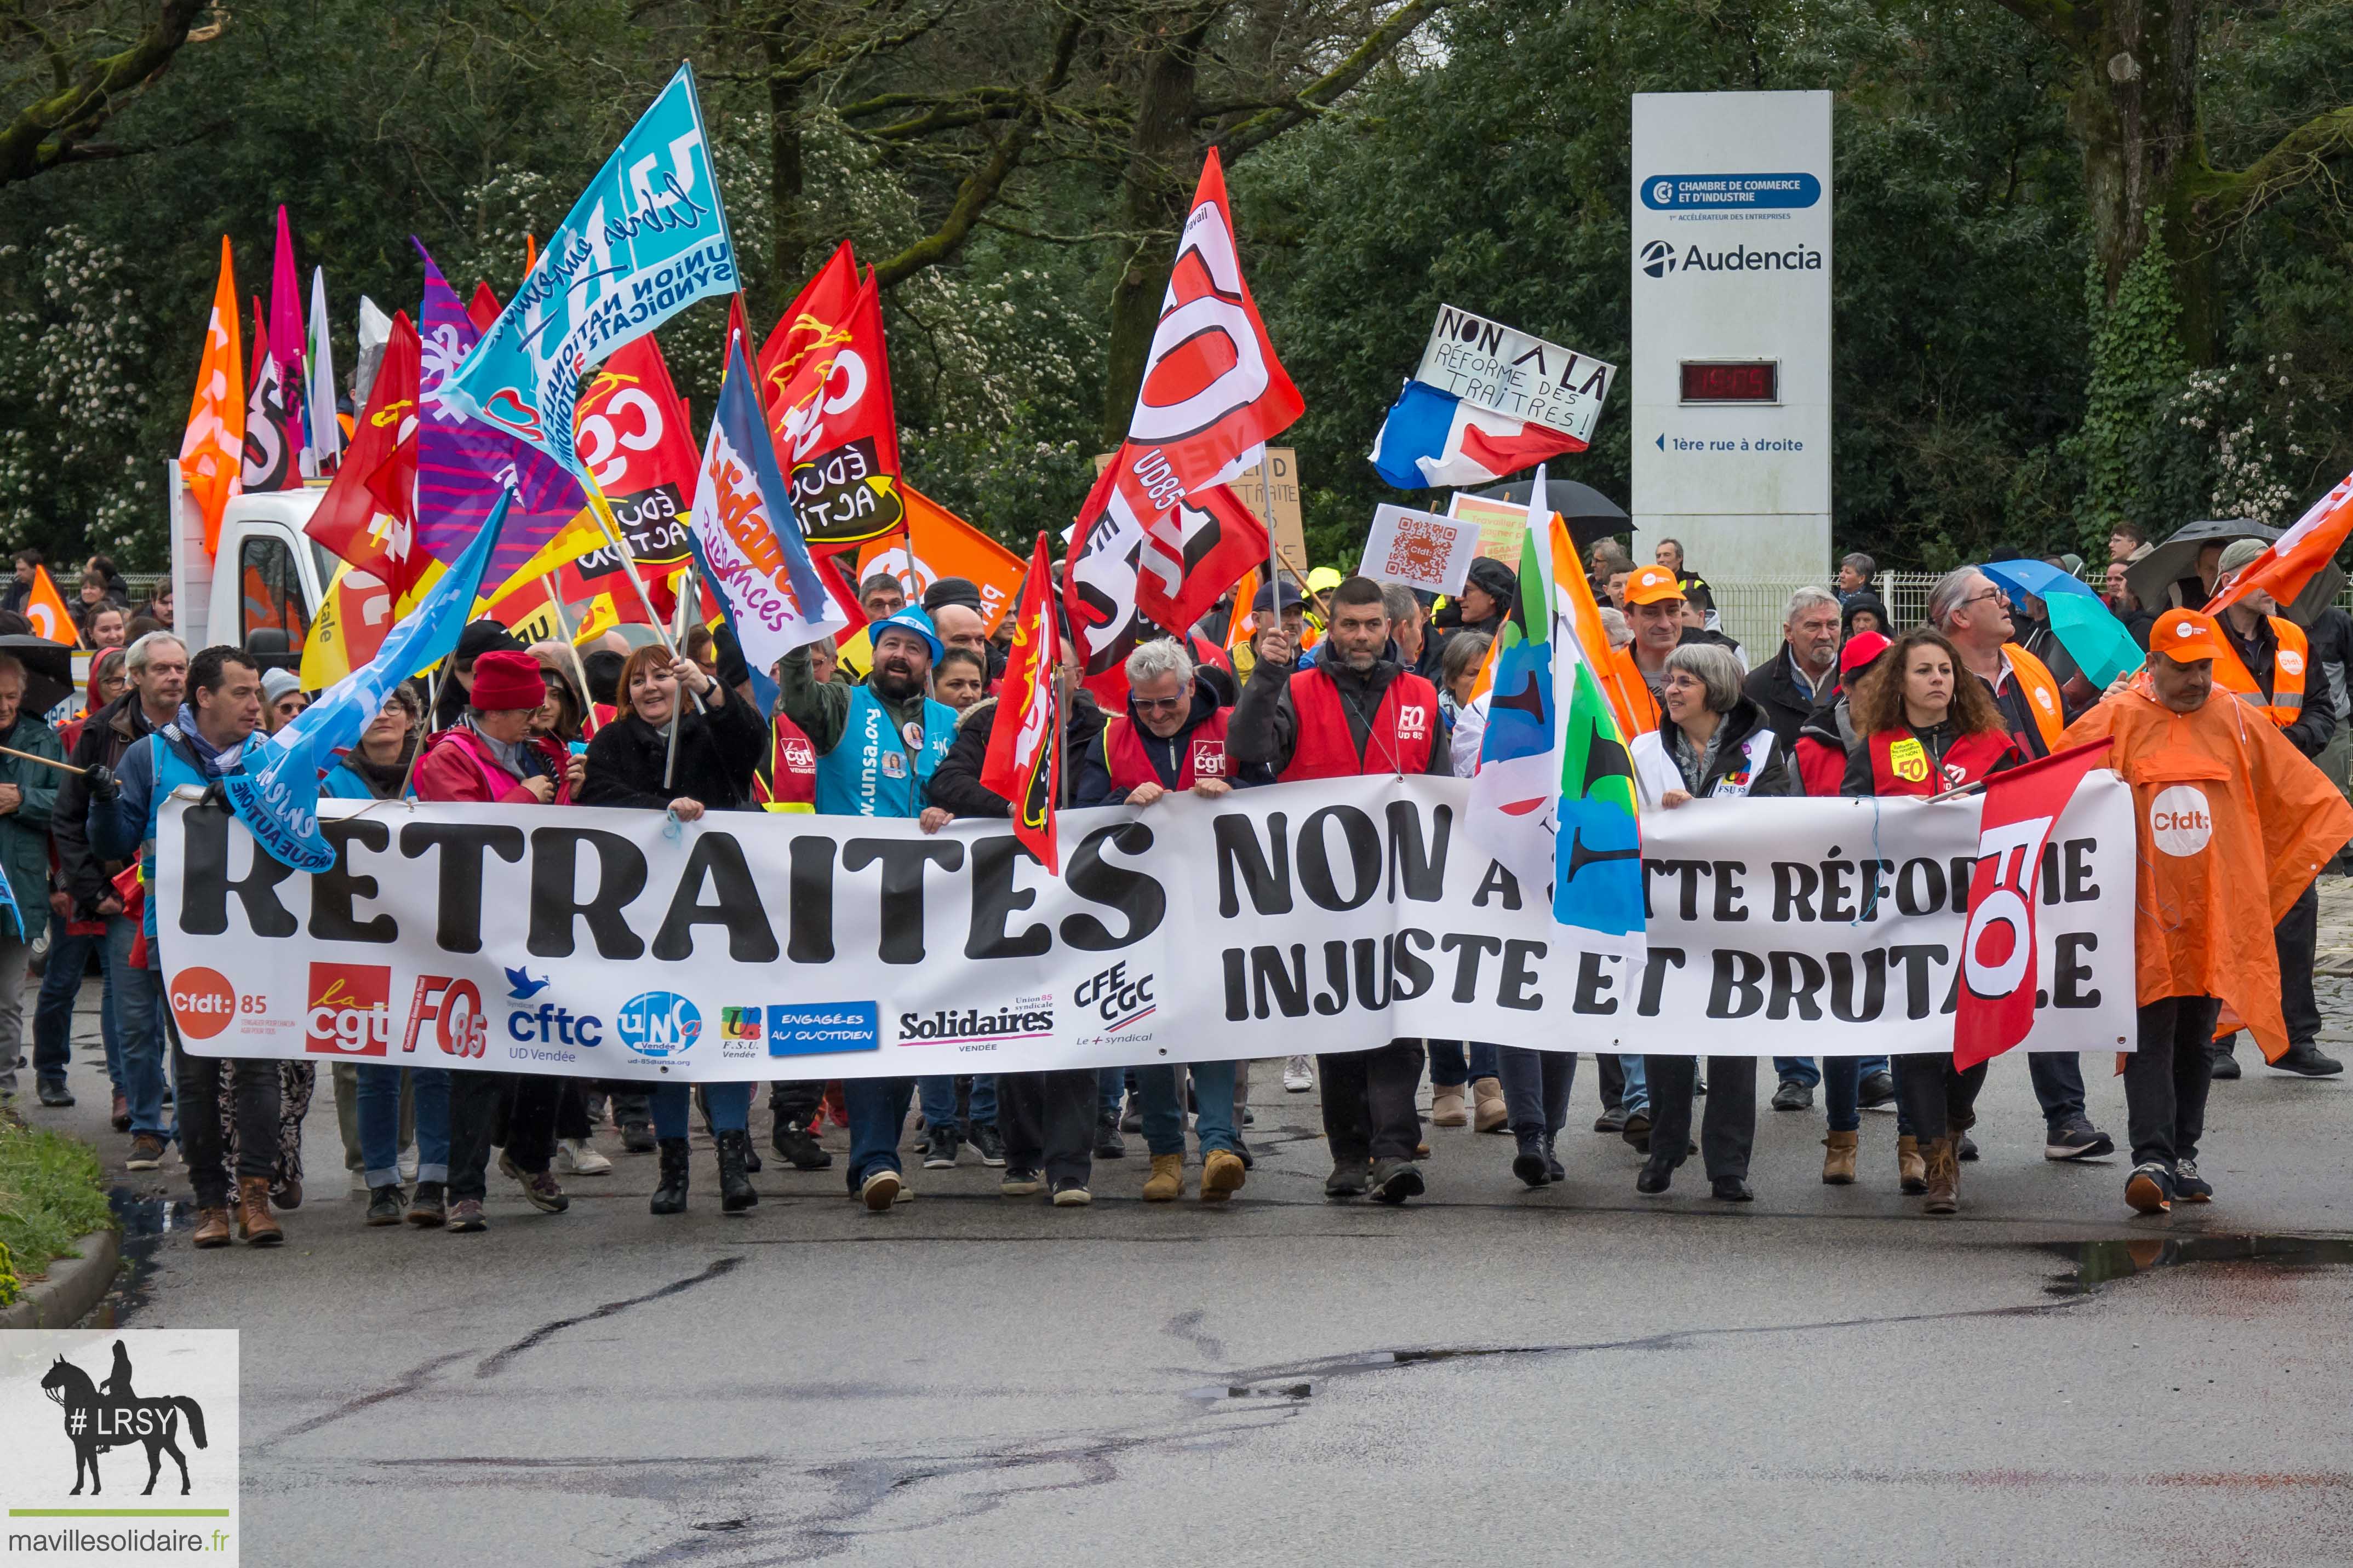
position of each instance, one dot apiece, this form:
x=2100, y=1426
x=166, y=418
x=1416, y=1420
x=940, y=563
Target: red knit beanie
x=504, y=681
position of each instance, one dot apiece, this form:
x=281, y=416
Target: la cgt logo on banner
x=123, y=1445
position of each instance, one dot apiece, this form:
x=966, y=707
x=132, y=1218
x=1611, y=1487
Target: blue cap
x=910, y=619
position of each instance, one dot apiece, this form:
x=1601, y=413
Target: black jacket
x=1264, y=730
x=105, y=736
x=717, y=753
x=1780, y=777
x=2331, y=636
x=956, y=783
x=1774, y=686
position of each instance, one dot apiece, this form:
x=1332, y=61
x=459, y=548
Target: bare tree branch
x=1316, y=97
x=41, y=135
x=2220, y=199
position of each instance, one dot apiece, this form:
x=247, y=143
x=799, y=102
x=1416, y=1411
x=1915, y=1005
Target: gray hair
x=136, y=659
x=11, y=665
x=1613, y=621
x=1398, y=602
x=1162, y=657
x=1865, y=566
x=1951, y=588
x=1463, y=651
x=1806, y=599
x=1714, y=667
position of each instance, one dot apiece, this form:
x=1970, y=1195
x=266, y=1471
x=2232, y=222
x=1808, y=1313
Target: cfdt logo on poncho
x=351, y=1010
x=2181, y=820
x=659, y=1023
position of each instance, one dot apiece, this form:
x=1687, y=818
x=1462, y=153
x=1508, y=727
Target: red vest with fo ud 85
x=1404, y=728
x=1200, y=755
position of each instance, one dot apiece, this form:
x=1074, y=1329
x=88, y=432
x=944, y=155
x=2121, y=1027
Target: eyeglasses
x=1981, y=598
x=1158, y=704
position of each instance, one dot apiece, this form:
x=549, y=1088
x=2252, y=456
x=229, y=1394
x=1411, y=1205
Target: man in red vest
x=1354, y=713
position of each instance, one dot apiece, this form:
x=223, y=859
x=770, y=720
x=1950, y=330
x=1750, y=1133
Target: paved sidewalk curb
x=75, y=1285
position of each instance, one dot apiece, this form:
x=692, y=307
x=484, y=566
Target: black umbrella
x=2176, y=558
x=48, y=670
x=1590, y=515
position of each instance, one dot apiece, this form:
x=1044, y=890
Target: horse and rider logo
x=111, y=1416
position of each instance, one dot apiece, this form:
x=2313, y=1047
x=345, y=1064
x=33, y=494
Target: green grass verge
x=50, y=1197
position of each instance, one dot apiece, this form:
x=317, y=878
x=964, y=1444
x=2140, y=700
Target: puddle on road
x=146, y=1221
x=2098, y=1263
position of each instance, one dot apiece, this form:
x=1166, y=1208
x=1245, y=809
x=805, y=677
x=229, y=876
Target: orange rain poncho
x=2232, y=824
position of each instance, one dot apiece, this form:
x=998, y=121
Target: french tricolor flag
x=1433, y=439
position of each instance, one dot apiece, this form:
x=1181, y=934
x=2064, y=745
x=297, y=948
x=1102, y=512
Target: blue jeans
x=1110, y=1084
x=1801, y=1070
x=379, y=1118
x=936, y=1096
x=878, y=1114
x=53, y=1012
x=1161, y=1093
x=1449, y=1069
x=2058, y=1084
x=730, y=1105
x=1635, y=1098
x=139, y=1023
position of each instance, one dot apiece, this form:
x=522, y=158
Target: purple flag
x=463, y=466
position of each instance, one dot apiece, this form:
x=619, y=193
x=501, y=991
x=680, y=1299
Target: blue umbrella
x=2080, y=619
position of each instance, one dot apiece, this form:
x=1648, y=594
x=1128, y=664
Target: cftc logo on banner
x=122, y=1445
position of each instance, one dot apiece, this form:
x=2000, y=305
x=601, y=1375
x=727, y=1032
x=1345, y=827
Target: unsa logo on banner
x=2179, y=820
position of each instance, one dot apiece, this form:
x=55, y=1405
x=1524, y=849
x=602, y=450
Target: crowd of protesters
x=1349, y=677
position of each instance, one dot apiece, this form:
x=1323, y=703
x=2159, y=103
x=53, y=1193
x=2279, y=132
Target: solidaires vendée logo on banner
x=121, y=1445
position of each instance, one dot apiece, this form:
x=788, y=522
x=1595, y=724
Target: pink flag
x=286, y=334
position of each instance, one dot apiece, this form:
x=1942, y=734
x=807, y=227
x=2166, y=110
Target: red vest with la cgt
x=1404, y=728
x=1201, y=756
x=1916, y=771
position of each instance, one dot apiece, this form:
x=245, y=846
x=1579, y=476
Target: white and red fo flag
x=1160, y=535
x=2295, y=557
x=1996, y=1006
x=1021, y=766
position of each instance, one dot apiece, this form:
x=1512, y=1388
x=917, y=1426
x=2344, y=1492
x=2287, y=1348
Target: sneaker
x=1109, y=1145
x=1875, y=1091
x=146, y=1153
x=941, y=1156
x=408, y=1160
x=1245, y=1117
x=2077, y=1139
x=426, y=1208
x=1298, y=1075
x=1968, y=1147
x=56, y=1096
x=2149, y=1188
x=1347, y=1180
x=2189, y=1187
x=1730, y=1190
x=2304, y=1060
x=1636, y=1130
x=1611, y=1120
x=540, y=1187
x=879, y=1190
x=574, y=1157
x=594, y=1105
x=2224, y=1065
x=1131, y=1118
x=1793, y=1096
x=1019, y=1184
x=1394, y=1181
x=990, y=1142
x=465, y=1216
x=1070, y=1193
x=637, y=1137
x=797, y=1147
x=385, y=1205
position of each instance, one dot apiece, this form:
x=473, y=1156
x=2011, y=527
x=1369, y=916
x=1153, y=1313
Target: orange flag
x=212, y=453
x=2295, y=557
x=45, y=608
x=938, y=543
x=1239, y=623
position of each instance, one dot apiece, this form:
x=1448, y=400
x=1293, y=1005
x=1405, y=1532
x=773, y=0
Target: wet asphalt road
x=1578, y=1375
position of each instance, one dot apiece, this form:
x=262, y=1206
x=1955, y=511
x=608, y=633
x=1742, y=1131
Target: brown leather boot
x=1942, y=1158
x=211, y=1227
x=1838, y=1159
x=254, y=1225
x=1910, y=1170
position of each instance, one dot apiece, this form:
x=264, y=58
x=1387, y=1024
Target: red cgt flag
x=1021, y=764
x=1160, y=535
x=1996, y=1006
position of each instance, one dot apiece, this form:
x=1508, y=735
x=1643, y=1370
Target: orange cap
x=2185, y=636
x=1652, y=586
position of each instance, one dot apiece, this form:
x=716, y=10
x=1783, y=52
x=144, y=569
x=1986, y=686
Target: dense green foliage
x=1985, y=395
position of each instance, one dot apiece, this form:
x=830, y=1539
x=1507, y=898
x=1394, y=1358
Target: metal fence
x=1752, y=612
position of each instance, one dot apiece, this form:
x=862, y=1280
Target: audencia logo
x=1658, y=259
x=659, y=1023
x=99, y=1416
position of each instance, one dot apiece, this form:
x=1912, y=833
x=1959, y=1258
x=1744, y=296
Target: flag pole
x=45, y=762
x=1273, y=549
x=564, y=630
x=432, y=700
x=676, y=708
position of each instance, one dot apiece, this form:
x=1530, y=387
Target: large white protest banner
x=1329, y=917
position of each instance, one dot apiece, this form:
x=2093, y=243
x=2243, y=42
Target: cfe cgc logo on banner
x=122, y=1444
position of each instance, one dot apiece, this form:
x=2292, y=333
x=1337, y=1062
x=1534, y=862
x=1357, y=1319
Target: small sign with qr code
x=1420, y=549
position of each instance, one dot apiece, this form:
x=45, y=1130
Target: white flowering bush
x=2261, y=427
x=74, y=470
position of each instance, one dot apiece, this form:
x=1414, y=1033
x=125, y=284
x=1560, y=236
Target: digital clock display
x=1732, y=381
